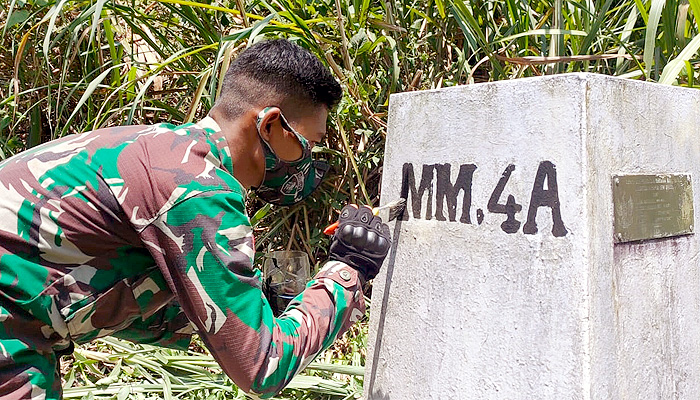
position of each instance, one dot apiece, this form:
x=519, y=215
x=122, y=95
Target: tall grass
x=68, y=66
x=114, y=368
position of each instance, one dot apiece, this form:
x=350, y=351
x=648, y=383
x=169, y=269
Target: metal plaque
x=652, y=206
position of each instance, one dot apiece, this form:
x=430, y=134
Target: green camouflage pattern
x=141, y=233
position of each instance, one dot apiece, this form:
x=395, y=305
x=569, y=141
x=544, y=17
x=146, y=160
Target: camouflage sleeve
x=204, y=247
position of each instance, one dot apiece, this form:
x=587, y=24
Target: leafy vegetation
x=112, y=368
x=68, y=66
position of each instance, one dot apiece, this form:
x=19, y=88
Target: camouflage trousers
x=28, y=364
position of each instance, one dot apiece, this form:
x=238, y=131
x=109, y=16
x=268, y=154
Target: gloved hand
x=362, y=240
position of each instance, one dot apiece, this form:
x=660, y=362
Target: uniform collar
x=209, y=125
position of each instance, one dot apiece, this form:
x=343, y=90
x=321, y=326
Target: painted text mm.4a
x=442, y=195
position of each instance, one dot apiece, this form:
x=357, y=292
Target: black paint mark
x=409, y=184
x=510, y=225
x=545, y=198
x=446, y=190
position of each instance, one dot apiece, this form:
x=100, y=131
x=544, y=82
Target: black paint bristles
x=395, y=208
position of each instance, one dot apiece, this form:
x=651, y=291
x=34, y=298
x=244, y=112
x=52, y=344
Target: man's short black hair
x=277, y=73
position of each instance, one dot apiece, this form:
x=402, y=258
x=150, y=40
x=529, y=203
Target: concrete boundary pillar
x=511, y=278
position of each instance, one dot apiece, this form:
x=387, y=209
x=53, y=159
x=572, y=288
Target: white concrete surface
x=471, y=312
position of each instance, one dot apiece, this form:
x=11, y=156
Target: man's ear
x=268, y=118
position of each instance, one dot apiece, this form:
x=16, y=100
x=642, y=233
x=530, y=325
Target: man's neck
x=246, y=152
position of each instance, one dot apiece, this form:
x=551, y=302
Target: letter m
x=408, y=184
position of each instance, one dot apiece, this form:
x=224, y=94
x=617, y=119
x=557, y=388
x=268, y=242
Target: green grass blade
x=593, y=33
x=674, y=67
x=364, y=11
x=52, y=14
x=472, y=28
x=258, y=27
x=96, y=16
x=338, y=369
x=309, y=36
x=690, y=71
x=461, y=16
x=440, y=5
x=113, y=53
x=642, y=11
x=695, y=7
x=625, y=36
x=260, y=214
x=88, y=92
x=9, y=15
x=203, y=79
x=35, y=127
x=650, y=36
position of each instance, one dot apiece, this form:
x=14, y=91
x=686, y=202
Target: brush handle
x=330, y=229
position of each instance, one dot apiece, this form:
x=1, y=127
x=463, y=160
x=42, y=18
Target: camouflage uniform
x=141, y=232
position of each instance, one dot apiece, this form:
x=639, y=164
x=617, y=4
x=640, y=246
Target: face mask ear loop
x=286, y=126
x=258, y=124
x=258, y=121
x=278, y=163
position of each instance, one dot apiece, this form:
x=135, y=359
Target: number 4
x=510, y=225
x=540, y=197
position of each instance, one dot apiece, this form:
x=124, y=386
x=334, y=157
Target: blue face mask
x=288, y=182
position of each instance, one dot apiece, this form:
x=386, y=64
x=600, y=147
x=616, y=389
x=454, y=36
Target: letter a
x=545, y=198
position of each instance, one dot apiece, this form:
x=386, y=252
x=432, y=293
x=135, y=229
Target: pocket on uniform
x=111, y=311
x=115, y=309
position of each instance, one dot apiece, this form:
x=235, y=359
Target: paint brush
x=390, y=212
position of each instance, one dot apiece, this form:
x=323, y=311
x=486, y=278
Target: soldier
x=141, y=232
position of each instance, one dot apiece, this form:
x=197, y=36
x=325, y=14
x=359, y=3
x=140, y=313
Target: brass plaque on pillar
x=652, y=206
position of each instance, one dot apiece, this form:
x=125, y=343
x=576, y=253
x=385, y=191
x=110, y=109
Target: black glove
x=362, y=240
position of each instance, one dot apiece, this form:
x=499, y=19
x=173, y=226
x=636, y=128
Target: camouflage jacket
x=141, y=232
